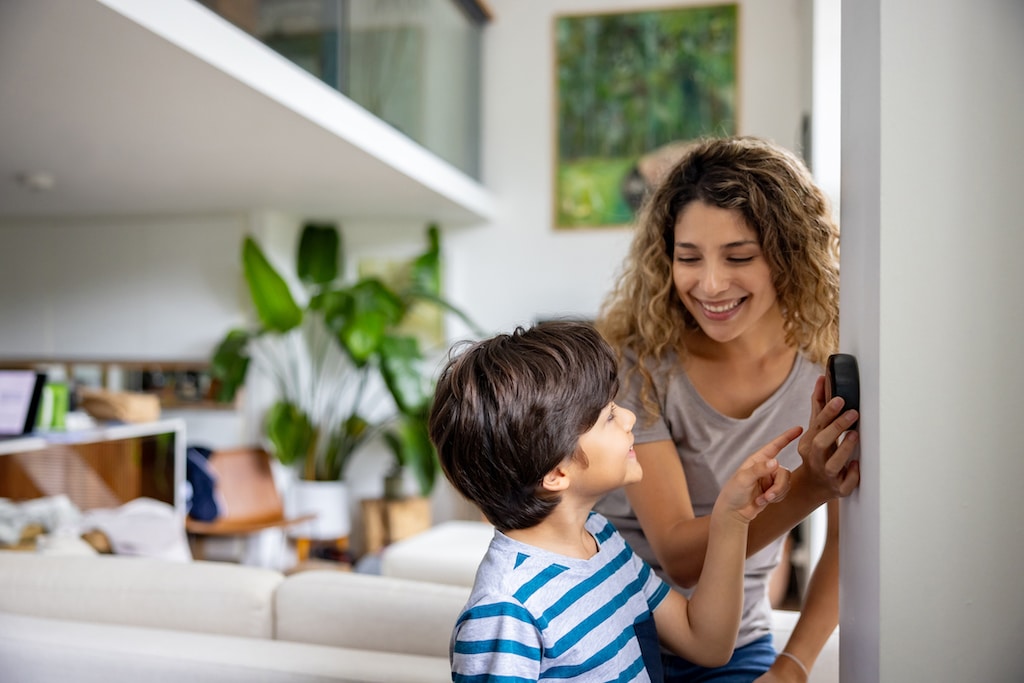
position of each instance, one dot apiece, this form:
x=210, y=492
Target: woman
x=725, y=314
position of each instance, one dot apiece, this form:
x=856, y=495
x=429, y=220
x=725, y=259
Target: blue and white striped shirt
x=537, y=615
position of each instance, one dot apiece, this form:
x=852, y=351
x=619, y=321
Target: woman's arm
x=820, y=612
x=679, y=539
x=664, y=509
x=703, y=630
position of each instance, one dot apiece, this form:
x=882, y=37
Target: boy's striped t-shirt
x=537, y=615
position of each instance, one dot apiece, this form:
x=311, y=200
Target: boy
x=525, y=427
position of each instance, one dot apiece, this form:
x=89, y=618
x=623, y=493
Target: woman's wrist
x=793, y=663
x=804, y=486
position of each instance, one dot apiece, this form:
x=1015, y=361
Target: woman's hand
x=828, y=462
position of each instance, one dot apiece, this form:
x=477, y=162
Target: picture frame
x=630, y=86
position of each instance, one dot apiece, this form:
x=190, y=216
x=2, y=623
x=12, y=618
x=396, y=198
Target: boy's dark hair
x=507, y=410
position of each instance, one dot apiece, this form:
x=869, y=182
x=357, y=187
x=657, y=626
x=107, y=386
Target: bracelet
x=790, y=655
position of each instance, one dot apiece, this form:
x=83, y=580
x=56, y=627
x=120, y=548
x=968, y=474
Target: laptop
x=21, y=392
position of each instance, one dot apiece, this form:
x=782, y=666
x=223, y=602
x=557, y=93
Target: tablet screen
x=19, y=399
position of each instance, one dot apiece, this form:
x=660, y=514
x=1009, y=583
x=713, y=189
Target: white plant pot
x=328, y=500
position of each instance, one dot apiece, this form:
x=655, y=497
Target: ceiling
x=124, y=121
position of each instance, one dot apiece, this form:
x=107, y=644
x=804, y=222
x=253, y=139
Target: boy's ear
x=557, y=479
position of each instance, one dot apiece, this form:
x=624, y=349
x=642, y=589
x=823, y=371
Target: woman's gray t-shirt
x=711, y=447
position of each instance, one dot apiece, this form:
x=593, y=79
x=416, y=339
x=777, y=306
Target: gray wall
x=933, y=100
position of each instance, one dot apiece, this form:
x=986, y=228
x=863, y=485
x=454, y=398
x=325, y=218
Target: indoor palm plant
x=342, y=368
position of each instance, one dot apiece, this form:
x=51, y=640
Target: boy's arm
x=703, y=629
x=678, y=538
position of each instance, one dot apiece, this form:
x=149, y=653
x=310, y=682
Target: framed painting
x=630, y=87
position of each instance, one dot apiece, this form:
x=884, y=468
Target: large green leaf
x=362, y=335
x=336, y=305
x=371, y=294
x=319, y=254
x=270, y=294
x=425, y=270
x=293, y=436
x=230, y=363
x=401, y=367
x=358, y=337
x=409, y=440
x=361, y=315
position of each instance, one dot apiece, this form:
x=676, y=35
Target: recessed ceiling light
x=37, y=181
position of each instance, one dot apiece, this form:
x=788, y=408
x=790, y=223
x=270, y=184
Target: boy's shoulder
x=508, y=565
x=523, y=582
x=504, y=569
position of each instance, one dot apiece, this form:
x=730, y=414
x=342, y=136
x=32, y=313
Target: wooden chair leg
x=197, y=546
x=302, y=548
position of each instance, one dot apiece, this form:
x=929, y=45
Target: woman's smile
x=721, y=310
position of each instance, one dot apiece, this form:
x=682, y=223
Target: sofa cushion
x=52, y=650
x=368, y=612
x=207, y=597
x=447, y=553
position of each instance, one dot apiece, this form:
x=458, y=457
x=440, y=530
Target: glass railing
x=415, y=64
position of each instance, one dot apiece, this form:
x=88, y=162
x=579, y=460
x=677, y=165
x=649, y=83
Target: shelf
x=179, y=384
x=140, y=108
x=104, y=466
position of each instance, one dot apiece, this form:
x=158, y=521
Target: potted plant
x=333, y=354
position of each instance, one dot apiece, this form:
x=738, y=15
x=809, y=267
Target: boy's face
x=608, y=446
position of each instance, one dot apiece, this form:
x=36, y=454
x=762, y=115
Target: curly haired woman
x=724, y=316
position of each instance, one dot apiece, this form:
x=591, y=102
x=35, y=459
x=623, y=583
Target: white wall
x=519, y=268
x=933, y=99
x=120, y=288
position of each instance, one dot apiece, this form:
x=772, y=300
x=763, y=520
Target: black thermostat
x=843, y=379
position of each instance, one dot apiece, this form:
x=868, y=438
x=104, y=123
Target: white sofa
x=108, y=619
x=104, y=619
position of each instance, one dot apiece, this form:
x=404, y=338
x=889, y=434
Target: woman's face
x=720, y=273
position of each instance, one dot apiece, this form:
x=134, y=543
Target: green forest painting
x=628, y=84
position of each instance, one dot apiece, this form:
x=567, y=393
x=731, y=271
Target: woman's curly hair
x=774, y=192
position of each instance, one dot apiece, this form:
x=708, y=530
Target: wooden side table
x=386, y=521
